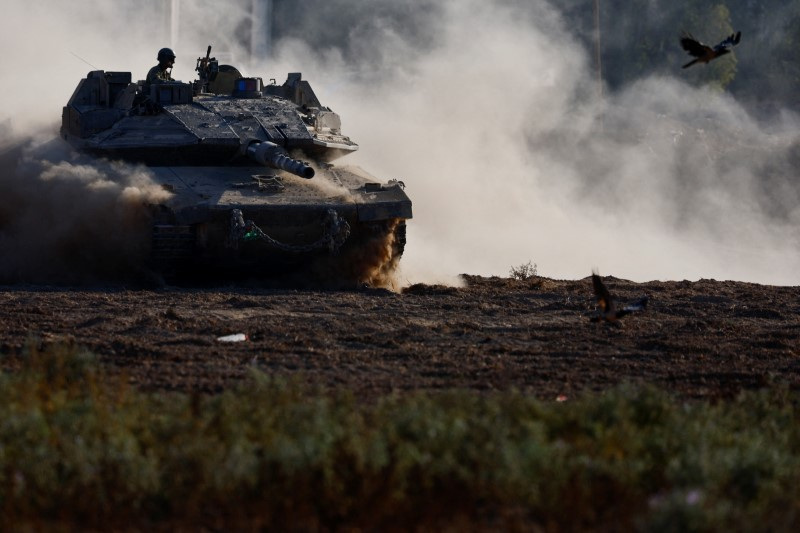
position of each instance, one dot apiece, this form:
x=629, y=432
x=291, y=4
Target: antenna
x=82, y=59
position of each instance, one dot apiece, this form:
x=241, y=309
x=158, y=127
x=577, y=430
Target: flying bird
x=606, y=306
x=704, y=53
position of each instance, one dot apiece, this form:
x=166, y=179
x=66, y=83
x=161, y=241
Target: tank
x=253, y=190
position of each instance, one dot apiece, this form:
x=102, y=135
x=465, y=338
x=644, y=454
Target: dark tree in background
x=638, y=38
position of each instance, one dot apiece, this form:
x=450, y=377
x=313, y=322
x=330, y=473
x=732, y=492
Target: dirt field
x=699, y=339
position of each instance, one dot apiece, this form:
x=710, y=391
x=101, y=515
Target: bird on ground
x=704, y=53
x=606, y=306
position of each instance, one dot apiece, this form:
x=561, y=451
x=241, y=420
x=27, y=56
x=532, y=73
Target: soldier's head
x=166, y=57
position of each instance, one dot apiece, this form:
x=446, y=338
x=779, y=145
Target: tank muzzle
x=271, y=155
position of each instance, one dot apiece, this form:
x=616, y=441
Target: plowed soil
x=704, y=339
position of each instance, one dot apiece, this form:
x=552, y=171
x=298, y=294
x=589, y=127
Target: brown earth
x=707, y=339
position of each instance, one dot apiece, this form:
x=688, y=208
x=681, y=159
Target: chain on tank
x=336, y=230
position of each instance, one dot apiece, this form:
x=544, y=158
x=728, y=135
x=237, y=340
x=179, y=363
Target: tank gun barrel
x=271, y=155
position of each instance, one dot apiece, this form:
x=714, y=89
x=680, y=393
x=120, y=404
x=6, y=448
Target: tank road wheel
x=171, y=250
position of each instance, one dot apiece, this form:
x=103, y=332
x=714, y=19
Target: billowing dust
x=65, y=218
x=372, y=262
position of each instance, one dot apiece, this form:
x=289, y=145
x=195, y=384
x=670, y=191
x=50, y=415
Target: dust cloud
x=511, y=154
x=493, y=119
x=68, y=219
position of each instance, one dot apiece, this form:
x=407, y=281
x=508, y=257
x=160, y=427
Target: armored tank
x=248, y=167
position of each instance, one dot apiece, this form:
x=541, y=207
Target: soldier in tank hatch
x=163, y=71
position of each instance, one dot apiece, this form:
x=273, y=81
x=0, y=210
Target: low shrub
x=79, y=448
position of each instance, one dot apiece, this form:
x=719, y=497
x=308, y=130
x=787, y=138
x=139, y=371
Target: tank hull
x=193, y=236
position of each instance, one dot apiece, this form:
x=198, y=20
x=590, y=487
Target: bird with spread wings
x=704, y=53
x=607, y=308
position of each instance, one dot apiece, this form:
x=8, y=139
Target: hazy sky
x=498, y=130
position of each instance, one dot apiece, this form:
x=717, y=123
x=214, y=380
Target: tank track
x=171, y=249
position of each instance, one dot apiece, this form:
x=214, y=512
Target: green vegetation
x=79, y=448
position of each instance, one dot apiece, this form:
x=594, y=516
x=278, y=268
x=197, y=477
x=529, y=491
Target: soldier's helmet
x=166, y=53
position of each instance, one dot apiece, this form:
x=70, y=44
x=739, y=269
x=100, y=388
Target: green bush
x=80, y=449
